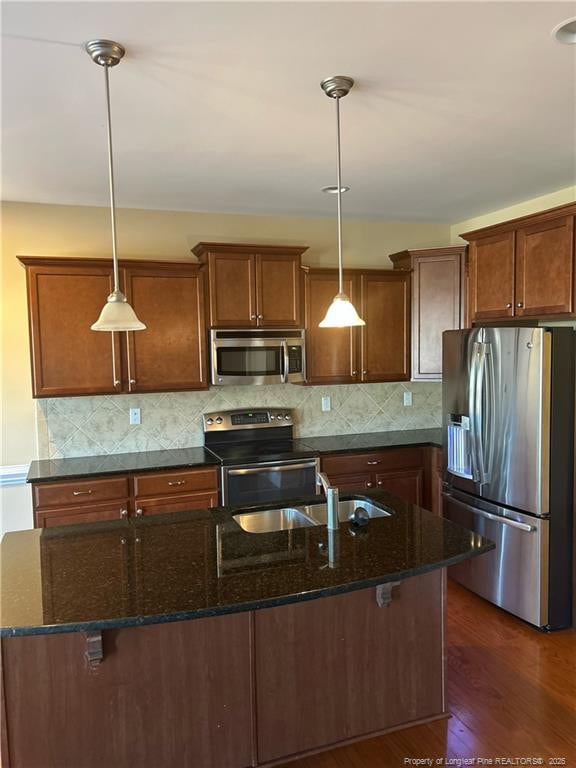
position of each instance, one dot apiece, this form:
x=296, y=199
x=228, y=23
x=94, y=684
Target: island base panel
x=229, y=691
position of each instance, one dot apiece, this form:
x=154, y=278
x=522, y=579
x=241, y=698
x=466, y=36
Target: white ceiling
x=459, y=108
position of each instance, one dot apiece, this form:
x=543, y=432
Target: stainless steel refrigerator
x=508, y=402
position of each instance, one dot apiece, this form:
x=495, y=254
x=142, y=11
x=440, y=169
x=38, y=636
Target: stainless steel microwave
x=258, y=356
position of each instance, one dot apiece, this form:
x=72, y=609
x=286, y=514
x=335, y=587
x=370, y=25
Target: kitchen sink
x=273, y=520
x=288, y=518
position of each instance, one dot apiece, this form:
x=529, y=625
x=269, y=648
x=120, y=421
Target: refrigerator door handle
x=490, y=516
x=475, y=410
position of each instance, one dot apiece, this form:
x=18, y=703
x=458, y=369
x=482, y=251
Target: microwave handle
x=286, y=366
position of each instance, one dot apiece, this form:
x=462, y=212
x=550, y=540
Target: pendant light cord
x=111, y=181
x=339, y=196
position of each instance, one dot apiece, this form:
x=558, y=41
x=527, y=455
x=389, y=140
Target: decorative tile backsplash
x=85, y=426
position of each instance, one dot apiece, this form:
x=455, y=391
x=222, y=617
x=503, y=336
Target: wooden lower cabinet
x=401, y=471
x=98, y=498
x=229, y=691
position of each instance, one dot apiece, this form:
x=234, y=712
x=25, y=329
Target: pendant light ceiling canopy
x=341, y=313
x=117, y=314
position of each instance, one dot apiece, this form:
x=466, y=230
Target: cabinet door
x=491, y=277
x=170, y=354
x=331, y=353
x=87, y=513
x=232, y=290
x=68, y=358
x=436, y=307
x=405, y=483
x=545, y=268
x=385, y=308
x=278, y=291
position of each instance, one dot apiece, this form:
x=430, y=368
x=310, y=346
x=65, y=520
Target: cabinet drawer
x=394, y=458
x=84, y=491
x=88, y=513
x=169, y=483
x=180, y=503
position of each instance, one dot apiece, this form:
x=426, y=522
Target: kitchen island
x=184, y=640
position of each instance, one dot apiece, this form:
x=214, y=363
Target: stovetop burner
x=253, y=436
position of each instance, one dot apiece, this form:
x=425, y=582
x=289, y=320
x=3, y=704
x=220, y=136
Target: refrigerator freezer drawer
x=513, y=576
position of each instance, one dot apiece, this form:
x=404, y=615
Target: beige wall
x=53, y=230
x=535, y=204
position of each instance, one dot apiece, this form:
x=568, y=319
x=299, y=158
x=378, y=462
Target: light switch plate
x=407, y=398
x=326, y=403
x=134, y=416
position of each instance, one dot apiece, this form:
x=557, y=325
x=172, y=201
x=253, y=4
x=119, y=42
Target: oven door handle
x=273, y=468
x=286, y=365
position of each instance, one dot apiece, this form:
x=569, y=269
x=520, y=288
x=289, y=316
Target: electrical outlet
x=134, y=416
x=407, y=398
x=326, y=403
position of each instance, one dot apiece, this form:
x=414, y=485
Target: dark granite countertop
x=47, y=470
x=200, y=563
x=369, y=441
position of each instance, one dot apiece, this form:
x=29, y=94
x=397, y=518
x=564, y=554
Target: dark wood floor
x=511, y=692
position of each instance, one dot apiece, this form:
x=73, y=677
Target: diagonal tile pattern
x=82, y=426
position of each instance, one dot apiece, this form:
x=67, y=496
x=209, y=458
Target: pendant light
x=341, y=313
x=117, y=314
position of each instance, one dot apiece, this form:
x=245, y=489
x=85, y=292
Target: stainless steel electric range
x=261, y=460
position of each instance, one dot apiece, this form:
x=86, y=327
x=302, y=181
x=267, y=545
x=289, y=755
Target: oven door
x=270, y=482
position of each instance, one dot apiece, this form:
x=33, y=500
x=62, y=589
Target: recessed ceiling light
x=565, y=32
x=333, y=189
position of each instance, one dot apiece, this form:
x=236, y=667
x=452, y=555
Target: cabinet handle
x=369, y=485
x=139, y=512
x=114, y=374
x=130, y=379
x=508, y=306
x=176, y=482
x=123, y=513
x=520, y=304
x=81, y=493
x=376, y=461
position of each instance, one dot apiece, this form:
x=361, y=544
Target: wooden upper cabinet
x=232, y=287
x=331, y=353
x=438, y=276
x=545, y=268
x=385, y=339
x=491, y=270
x=170, y=353
x=253, y=285
x=523, y=267
x=278, y=290
x=65, y=297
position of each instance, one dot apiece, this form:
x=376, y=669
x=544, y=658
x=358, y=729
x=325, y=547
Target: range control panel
x=249, y=419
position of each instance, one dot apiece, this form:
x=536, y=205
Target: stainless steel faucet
x=332, y=500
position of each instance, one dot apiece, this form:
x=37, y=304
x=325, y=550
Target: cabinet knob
x=139, y=512
x=132, y=381
x=364, y=373
x=520, y=304
x=260, y=317
x=116, y=383
x=252, y=317
x=369, y=485
x=508, y=306
x=379, y=482
x=354, y=373
x=123, y=513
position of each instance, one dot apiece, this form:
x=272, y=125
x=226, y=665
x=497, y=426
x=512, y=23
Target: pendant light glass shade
x=117, y=314
x=341, y=314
